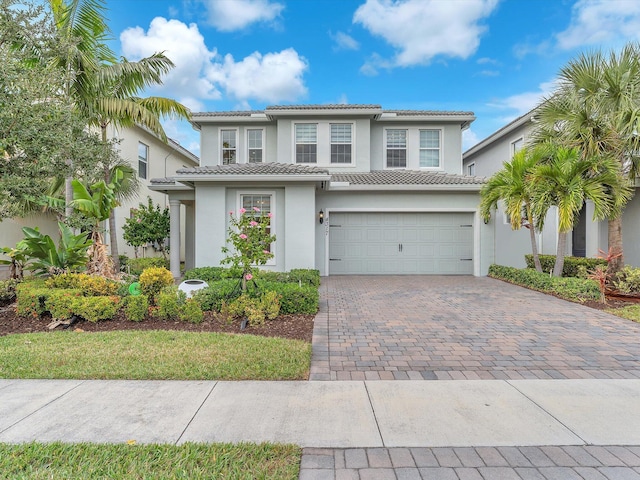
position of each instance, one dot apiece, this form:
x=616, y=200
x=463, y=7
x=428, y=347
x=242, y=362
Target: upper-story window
x=306, y=142
x=429, y=148
x=143, y=159
x=516, y=145
x=341, y=143
x=229, y=146
x=471, y=169
x=254, y=145
x=396, y=148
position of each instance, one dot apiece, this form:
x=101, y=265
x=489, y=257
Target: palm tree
x=511, y=186
x=565, y=180
x=596, y=109
x=104, y=90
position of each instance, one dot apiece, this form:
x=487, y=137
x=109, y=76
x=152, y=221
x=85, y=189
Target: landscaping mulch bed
x=298, y=327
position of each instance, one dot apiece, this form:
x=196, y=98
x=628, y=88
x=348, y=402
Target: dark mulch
x=285, y=326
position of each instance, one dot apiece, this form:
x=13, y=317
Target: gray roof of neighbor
x=329, y=106
x=405, y=177
x=255, y=169
x=163, y=181
x=232, y=113
x=428, y=112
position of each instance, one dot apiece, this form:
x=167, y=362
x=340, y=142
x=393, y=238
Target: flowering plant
x=249, y=234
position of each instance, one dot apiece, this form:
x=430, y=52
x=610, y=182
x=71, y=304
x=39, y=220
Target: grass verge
x=153, y=355
x=121, y=461
x=632, y=312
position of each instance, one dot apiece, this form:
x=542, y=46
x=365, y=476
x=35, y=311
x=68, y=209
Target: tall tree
x=104, y=90
x=596, y=109
x=566, y=180
x=511, y=186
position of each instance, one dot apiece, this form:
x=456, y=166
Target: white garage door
x=401, y=243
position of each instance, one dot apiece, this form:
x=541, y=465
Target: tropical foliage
x=148, y=224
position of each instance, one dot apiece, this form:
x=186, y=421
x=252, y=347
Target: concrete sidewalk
x=350, y=414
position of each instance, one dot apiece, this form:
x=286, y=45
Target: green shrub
x=60, y=302
x=124, y=263
x=170, y=302
x=571, y=266
x=576, y=289
x=153, y=280
x=212, y=274
x=91, y=285
x=31, y=297
x=136, y=307
x=293, y=297
x=245, y=306
x=8, y=291
x=191, y=311
x=94, y=309
x=211, y=298
x=270, y=304
x=305, y=276
x=64, y=280
x=627, y=280
x=139, y=265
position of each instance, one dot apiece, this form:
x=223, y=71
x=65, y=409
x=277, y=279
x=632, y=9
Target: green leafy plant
x=245, y=306
x=270, y=304
x=153, y=280
x=136, y=307
x=43, y=256
x=170, y=302
x=90, y=285
x=148, y=224
x=212, y=298
x=17, y=259
x=60, y=303
x=600, y=275
x=212, y=274
x=191, y=311
x=94, y=309
x=627, y=280
x=31, y=297
x=294, y=298
x=249, y=233
x=139, y=265
x=8, y=291
x=572, y=265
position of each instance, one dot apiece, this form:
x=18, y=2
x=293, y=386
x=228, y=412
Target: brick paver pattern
x=480, y=463
x=461, y=327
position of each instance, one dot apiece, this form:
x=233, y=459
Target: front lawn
x=191, y=461
x=153, y=355
x=631, y=312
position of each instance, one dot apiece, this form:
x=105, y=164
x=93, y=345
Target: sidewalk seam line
x=196, y=412
x=82, y=382
x=373, y=410
x=546, y=411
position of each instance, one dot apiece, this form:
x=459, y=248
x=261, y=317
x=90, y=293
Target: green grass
x=122, y=461
x=153, y=355
x=632, y=312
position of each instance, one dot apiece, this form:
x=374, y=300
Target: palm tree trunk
x=113, y=233
x=614, y=234
x=562, y=246
x=534, y=244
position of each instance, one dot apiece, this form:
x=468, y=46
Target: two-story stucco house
x=588, y=238
x=354, y=189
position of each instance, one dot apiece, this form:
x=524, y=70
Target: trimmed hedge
x=571, y=266
x=294, y=298
x=211, y=298
x=297, y=275
x=138, y=265
x=212, y=274
x=569, y=288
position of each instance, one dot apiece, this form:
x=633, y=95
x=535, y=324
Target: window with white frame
x=471, y=169
x=516, y=145
x=143, y=160
x=254, y=145
x=264, y=202
x=229, y=146
x=429, y=148
x=306, y=142
x=341, y=142
x=396, y=148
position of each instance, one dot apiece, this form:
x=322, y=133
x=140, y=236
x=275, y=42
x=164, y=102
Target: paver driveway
x=456, y=327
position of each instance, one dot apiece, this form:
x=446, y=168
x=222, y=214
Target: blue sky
x=496, y=58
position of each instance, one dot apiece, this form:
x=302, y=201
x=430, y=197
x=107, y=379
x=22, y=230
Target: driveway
x=458, y=327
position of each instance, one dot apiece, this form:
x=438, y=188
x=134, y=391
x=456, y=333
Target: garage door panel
x=431, y=243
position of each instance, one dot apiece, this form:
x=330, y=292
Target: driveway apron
x=461, y=327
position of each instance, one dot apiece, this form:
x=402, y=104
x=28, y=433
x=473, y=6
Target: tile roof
x=335, y=106
x=163, y=181
x=405, y=177
x=233, y=113
x=255, y=169
x=427, y=112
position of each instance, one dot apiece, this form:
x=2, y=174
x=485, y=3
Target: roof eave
x=517, y=123
x=204, y=177
x=404, y=187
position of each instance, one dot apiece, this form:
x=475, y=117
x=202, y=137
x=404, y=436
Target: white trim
x=146, y=161
x=272, y=208
x=247, y=148
x=220, y=145
x=476, y=226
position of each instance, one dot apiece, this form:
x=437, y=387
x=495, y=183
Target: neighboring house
x=588, y=238
x=151, y=157
x=354, y=189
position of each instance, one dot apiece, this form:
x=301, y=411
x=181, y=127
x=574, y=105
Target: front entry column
x=174, y=238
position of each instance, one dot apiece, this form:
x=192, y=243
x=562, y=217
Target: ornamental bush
x=293, y=297
x=139, y=265
x=211, y=298
x=627, y=280
x=31, y=297
x=153, y=280
x=191, y=311
x=571, y=266
x=136, y=307
x=7, y=291
x=170, y=302
x=91, y=285
x=60, y=302
x=94, y=309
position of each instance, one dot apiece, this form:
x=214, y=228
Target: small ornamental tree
x=249, y=233
x=149, y=224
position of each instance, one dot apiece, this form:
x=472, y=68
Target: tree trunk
x=562, y=246
x=68, y=198
x=616, y=261
x=534, y=248
x=113, y=238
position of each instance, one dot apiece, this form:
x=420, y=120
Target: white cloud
x=487, y=60
x=469, y=139
x=521, y=103
x=201, y=74
x=344, y=41
x=596, y=22
x=271, y=77
x=423, y=29
x=231, y=15
x=488, y=73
